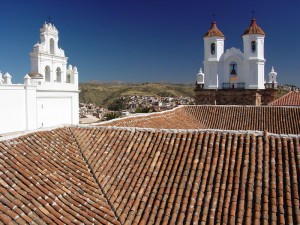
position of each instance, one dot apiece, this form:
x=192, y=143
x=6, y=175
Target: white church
x=233, y=76
x=49, y=95
x=234, y=68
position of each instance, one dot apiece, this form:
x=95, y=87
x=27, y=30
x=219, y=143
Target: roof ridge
x=284, y=98
x=90, y=169
x=142, y=115
x=254, y=132
x=241, y=106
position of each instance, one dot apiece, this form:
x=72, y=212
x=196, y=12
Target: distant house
x=290, y=99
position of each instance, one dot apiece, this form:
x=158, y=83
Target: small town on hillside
x=132, y=105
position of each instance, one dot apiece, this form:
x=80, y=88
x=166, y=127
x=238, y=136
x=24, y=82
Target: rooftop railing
x=233, y=85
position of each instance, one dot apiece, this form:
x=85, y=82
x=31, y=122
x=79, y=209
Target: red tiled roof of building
x=279, y=120
x=253, y=29
x=290, y=99
x=121, y=175
x=116, y=175
x=193, y=177
x=172, y=119
x=213, y=31
x=44, y=179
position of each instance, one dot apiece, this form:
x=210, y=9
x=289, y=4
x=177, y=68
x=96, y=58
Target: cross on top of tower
x=253, y=14
x=213, y=17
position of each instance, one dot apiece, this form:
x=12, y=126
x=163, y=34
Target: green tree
x=112, y=115
x=117, y=105
x=145, y=110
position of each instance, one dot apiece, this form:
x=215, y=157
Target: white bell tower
x=253, y=40
x=213, y=50
x=272, y=83
x=48, y=60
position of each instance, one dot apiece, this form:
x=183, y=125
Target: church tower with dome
x=234, y=77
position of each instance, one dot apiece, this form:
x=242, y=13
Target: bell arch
x=58, y=74
x=51, y=46
x=47, y=74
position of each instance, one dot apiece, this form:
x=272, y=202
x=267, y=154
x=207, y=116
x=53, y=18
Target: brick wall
x=234, y=97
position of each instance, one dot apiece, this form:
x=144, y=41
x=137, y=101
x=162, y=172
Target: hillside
x=102, y=94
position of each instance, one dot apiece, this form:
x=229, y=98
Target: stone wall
x=234, y=97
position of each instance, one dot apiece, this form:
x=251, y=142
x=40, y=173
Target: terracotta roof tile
x=290, y=99
x=184, y=177
x=253, y=29
x=44, y=179
x=113, y=175
x=213, y=31
x=284, y=120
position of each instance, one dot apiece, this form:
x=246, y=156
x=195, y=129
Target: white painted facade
x=234, y=68
x=49, y=95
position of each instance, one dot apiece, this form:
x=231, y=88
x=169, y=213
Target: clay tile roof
x=166, y=177
x=290, y=99
x=44, y=179
x=119, y=175
x=253, y=28
x=213, y=31
x=279, y=120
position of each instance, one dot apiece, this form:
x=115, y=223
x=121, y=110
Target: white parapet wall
x=24, y=107
x=17, y=108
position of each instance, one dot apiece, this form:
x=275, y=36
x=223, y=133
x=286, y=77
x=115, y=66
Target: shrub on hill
x=112, y=115
x=117, y=105
x=145, y=110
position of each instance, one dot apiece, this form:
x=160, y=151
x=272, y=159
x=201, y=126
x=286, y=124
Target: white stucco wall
x=17, y=108
x=250, y=67
x=25, y=107
x=30, y=107
x=58, y=107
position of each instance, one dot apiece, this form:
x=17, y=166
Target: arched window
x=58, y=75
x=213, y=48
x=253, y=46
x=51, y=46
x=68, y=78
x=47, y=74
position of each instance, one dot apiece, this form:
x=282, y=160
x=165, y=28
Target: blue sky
x=146, y=41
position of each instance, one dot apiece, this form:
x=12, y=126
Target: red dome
x=253, y=29
x=213, y=31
